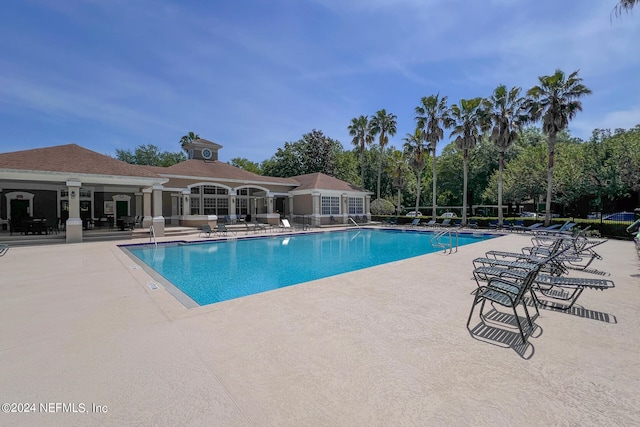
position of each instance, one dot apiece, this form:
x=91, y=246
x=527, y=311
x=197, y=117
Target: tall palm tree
x=398, y=171
x=382, y=124
x=416, y=148
x=467, y=129
x=555, y=101
x=359, y=130
x=624, y=6
x=433, y=115
x=505, y=116
x=186, y=139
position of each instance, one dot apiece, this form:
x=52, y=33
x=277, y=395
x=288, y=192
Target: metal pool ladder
x=353, y=221
x=435, y=240
x=152, y=235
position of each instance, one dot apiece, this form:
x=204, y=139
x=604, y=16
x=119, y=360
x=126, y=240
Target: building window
x=195, y=206
x=242, y=206
x=83, y=193
x=356, y=206
x=330, y=205
x=213, y=189
x=216, y=205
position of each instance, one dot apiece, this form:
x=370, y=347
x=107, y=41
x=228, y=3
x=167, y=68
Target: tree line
x=496, y=150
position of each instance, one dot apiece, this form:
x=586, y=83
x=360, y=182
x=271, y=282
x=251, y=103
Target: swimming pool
x=215, y=271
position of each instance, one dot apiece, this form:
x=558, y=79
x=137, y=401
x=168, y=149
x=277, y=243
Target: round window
x=206, y=153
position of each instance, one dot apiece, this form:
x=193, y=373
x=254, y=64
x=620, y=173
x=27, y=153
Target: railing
x=435, y=240
x=152, y=235
x=353, y=221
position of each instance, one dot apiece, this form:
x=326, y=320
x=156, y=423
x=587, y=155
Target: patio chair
x=473, y=223
x=494, y=224
x=547, y=230
x=333, y=220
x=3, y=249
x=390, y=221
x=555, y=229
x=431, y=223
x=549, y=286
x=518, y=226
x=52, y=225
x=533, y=227
x=550, y=258
x=222, y=230
x=457, y=223
x=508, y=292
x=563, y=290
x=205, y=229
x=258, y=226
x=415, y=222
x=445, y=222
x=581, y=254
x=295, y=226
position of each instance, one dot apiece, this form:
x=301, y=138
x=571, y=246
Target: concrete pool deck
x=382, y=346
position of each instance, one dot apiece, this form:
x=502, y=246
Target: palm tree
x=432, y=116
x=555, y=101
x=505, y=116
x=398, y=170
x=359, y=130
x=186, y=139
x=382, y=124
x=624, y=6
x=467, y=129
x=417, y=151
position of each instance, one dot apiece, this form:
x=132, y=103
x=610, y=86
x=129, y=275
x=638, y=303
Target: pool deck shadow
x=386, y=345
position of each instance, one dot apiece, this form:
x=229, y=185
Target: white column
x=138, y=204
x=158, y=219
x=367, y=207
x=291, y=208
x=232, y=204
x=344, y=203
x=175, y=207
x=269, y=200
x=74, y=223
x=146, y=207
x=186, y=203
x=315, y=214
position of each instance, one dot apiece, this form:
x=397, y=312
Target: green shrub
x=382, y=207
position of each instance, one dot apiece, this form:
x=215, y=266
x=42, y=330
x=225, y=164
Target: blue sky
x=252, y=74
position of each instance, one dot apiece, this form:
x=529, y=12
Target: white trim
x=242, y=181
x=63, y=177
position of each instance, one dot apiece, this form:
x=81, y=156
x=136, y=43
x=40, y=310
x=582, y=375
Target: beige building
x=74, y=188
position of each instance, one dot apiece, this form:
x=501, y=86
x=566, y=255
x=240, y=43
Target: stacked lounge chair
x=557, y=260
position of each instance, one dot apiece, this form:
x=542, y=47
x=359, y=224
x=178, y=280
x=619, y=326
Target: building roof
x=70, y=158
x=220, y=170
x=325, y=182
x=74, y=159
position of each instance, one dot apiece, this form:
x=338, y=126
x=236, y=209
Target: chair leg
x=524, y=341
x=473, y=306
x=526, y=311
x=535, y=300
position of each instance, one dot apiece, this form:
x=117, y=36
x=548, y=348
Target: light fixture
x=73, y=194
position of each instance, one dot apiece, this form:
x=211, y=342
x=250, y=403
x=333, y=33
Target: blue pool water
x=211, y=272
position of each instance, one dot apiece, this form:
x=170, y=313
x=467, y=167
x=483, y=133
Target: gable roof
x=321, y=181
x=70, y=158
x=220, y=170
